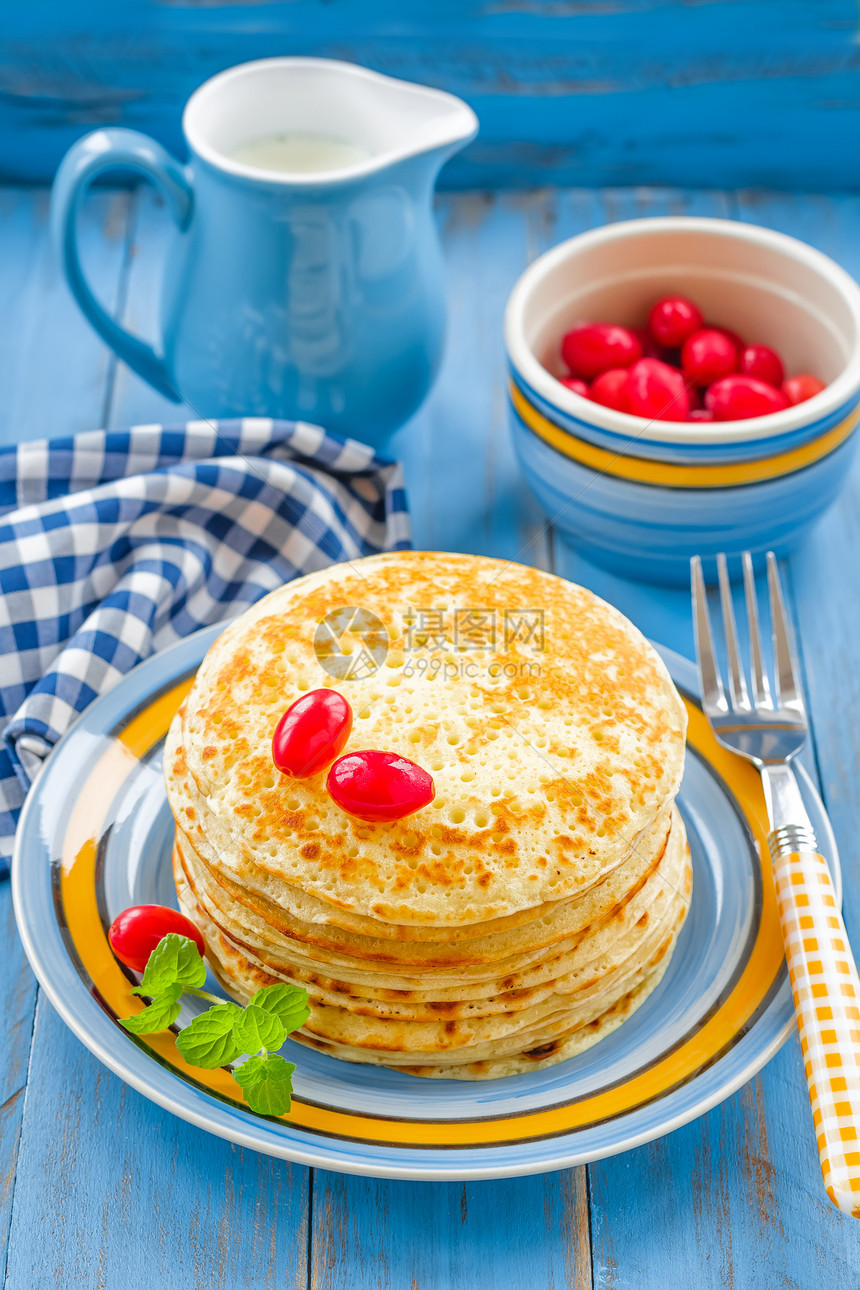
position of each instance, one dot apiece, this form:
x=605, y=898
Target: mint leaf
x=175, y=960
x=209, y=1041
x=287, y=1002
x=258, y=1029
x=266, y=1082
x=160, y=1014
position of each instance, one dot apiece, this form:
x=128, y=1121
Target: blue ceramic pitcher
x=317, y=295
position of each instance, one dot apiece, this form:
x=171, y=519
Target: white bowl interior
x=761, y=293
x=760, y=289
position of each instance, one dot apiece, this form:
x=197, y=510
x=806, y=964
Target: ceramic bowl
x=642, y=497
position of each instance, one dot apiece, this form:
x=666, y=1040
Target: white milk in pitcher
x=295, y=153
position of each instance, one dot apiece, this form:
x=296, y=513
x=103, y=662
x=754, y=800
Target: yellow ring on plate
x=670, y=475
x=80, y=909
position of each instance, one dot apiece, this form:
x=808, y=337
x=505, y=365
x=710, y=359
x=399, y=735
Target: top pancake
x=550, y=751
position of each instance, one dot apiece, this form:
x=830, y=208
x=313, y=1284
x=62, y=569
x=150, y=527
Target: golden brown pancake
x=549, y=756
x=522, y=914
x=518, y=981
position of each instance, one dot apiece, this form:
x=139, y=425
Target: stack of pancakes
x=523, y=914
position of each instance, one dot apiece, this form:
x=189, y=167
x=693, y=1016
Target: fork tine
x=713, y=696
x=787, y=687
x=737, y=681
x=760, y=682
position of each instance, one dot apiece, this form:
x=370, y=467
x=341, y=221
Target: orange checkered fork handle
x=826, y=993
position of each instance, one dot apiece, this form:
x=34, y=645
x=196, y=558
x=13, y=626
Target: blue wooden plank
x=463, y=482
x=734, y=1199
x=17, y=1003
x=529, y=1232
x=630, y=92
x=53, y=368
x=52, y=376
x=114, y=1192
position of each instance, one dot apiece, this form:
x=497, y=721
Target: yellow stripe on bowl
x=671, y=475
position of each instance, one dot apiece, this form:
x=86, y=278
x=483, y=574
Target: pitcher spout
x=436, y=124
x=382, y=121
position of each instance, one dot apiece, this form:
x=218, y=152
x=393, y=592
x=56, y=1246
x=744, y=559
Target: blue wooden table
x=99, y=1188
x=594, y=92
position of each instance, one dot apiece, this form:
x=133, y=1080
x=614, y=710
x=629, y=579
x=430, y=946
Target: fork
x=769, y=727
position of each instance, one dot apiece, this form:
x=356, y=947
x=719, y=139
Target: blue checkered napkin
x=113, y=546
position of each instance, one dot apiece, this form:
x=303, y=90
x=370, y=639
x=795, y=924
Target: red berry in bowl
x=738, y=341
x=797, y=389
x=575, y=384
x=736, y=398
x=656, y=391
x=595, y=347
x=379, y=786
x=311, y=733
x=610, y=389
x=707, y=356
x=763, y=363
x=673, y=319
x=135, y=933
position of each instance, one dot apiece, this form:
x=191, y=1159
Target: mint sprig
x=209, y=1041
x=266, y=1082
x=257, y=1029
x=160, y=1014
x=175, y=960
x=288, y=1003
x=225, y=1031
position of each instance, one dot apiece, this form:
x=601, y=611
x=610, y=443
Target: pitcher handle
x=92, y=156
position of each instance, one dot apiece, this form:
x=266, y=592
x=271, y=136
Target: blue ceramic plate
x=96, y=836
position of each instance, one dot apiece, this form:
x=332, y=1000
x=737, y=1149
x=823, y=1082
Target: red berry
x=610, y=389
x=700, y=414
x=738, y=342
x=797, y=389
x=736, y=398
x=762, y=363
x=574, y=383
x=379, y=786
x=595, y=347
x=656, y=391
x=673, y=319
x=311, y=733
x=135, y=933
x=708, y=355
